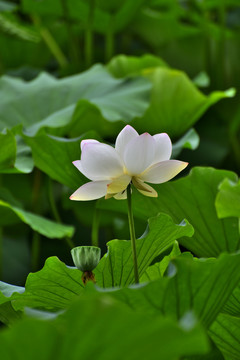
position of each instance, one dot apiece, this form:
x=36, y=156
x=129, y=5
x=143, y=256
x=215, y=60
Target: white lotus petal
x=163, y=147
x=140, y=185
x=136, y=158
x=150, y=192
x=90, y=191
x=78, y=165
x=124, y=137
x=163, y=171
x=88, y=141
x=101, y=162
x=119, y=184
x=139, y=154
x=121, y=195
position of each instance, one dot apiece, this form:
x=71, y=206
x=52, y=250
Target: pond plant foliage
x=104, y=86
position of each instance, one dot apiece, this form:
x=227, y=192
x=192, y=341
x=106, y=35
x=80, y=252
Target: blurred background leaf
x=72, y=70
x=111, y=318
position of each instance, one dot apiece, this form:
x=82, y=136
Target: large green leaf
x=202, y=285
x=7, y=314
x=7, y=6
x=165, y=26
x=7, y=293
x=43, y=226
x=122, y=65
x=129, y=335
x=193, y=198
x=53, y=287
x=94, y=119
x=15, y=155
x=169, y=86
x=24, y=162
x=232, y=307
x=158, y=269
x=8, y=150
x=228, y=199
x=50, y=102
x=54, y=156
x=189, y=103
x=225, y=332
x=116, y=267
x=190, y=140
x=35, y=340
x=7, y=290
x=100, y=328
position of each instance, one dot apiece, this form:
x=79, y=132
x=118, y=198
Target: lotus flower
x=136, y=159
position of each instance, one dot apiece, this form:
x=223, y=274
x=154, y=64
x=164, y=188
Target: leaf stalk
x=132, y=233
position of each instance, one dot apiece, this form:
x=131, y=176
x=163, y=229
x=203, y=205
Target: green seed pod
x=86, y=258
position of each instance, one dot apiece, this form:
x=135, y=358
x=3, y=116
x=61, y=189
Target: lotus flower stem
x=89, y=46
x=132, y=234
x=55, y=212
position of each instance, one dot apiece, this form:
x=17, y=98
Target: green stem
x=109, y=41
x=132, y=233
x=53, y=47
x=73, y=47
x=89, y=35
x=69, y=242
x=220, y=56
x=95, y=227
x=207, y=43
x=55, y=212
x=51, y=43
x=52, y=201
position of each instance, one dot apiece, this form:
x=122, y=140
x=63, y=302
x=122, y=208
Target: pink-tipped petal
x=139, y=154
x=88, y=141
x=90, y=191
x=124, y=137
x=163, y=147
x=78, y=165
x=163, y=171
x=101, y=162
